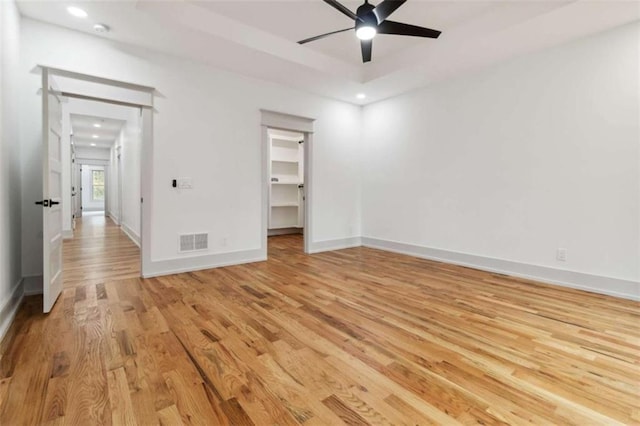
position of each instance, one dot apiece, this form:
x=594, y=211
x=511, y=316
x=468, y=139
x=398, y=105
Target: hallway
x=99, y=251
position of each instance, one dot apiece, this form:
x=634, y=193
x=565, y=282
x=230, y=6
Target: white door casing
x=51, y=191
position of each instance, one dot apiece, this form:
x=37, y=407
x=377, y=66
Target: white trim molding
x=284, y=121
x=198, y=263
x=10, y=308
x=131, y=234
x=114, y=218
x=337, y=244
x=594, y=283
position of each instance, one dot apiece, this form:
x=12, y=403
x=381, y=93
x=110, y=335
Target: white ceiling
x=258, y=38
x=85, y=132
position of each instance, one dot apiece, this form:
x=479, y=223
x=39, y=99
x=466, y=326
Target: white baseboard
x=10, y=307
x=284, y=231
x=337, y=244
x=33, y=285
x=208, y=261
x=598, y=284
x=114, y=218
x=132, y=235
x=67, y=234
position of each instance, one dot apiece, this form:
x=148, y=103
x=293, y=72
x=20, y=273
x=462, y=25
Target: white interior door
x=51, y=191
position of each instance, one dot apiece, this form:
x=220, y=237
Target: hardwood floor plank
x=120, y=398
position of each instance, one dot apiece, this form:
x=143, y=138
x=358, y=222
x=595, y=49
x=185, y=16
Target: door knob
x=47, y=203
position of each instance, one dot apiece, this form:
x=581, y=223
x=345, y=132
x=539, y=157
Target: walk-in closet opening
x=287, y=186
x=286, y=223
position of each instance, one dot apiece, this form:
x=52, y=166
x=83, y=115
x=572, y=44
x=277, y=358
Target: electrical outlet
x=561, y=254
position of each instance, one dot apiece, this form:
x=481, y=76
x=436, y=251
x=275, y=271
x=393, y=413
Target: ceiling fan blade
x=366, y=46
x=318, y=37
x=341, y=8
x=391, y=27
x=386, y=8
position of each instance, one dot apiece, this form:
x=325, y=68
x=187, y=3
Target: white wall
x=88, y=203
x=511, y=163
x=11, y=289
x=206, y=125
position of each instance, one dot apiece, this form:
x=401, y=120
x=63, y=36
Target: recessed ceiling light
x=101, y=28
x=95, y=136
x=361, y=96
x=93, y=144
x=77, y=12
x=97, y=125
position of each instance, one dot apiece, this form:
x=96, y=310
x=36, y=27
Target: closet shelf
x=294, y=204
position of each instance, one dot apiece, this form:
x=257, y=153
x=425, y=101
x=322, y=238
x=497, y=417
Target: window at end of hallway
x=97, y=183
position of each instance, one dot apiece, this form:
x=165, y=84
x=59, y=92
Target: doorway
x=287, y=186
x=72, y=176
x=100, y=136
x=92, y=189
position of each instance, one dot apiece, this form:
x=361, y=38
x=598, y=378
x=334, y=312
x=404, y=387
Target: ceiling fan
x=371, y=20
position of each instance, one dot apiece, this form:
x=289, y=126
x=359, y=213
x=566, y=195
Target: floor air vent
x=193, y=242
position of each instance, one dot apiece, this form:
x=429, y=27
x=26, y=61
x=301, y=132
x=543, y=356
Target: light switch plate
x=185, y=183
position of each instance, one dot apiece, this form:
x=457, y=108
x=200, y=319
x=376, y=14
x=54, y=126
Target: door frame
x=146, y=170
x=292, y=123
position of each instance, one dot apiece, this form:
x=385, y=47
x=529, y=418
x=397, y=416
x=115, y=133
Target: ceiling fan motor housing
x=366, y=17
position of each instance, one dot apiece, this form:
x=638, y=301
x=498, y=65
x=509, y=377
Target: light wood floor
x=357, y=336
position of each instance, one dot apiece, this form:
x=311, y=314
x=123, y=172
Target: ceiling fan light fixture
x=370, y=20
x=366, y=32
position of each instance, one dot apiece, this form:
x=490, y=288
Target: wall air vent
x=193, y=242
x=200, y=241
